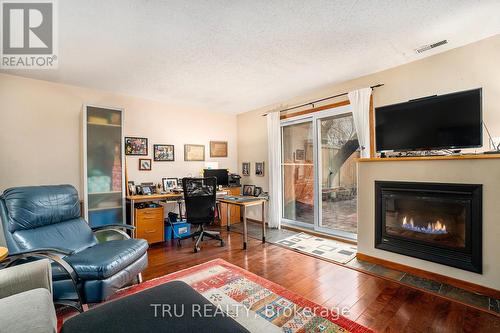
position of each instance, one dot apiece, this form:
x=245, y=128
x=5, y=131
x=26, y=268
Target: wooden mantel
x=432, y=158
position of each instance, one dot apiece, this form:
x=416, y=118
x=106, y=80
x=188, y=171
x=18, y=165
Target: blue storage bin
x=181, y=228
x=99, y=218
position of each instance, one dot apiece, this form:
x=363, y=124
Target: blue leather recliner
x=45, y=221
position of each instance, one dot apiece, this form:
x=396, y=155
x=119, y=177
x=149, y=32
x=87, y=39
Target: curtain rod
x=318, y=100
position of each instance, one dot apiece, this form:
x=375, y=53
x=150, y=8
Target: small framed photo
x=146, y=190
x=131, y=188
x=194, y=152
x=300, y=155
x=145, y=164
x=248, y=189
x=163, y=153
x=257, y=191
x=136, y=146
x=259, y=169
x=218, y=148
x=245, y=168
x=169, y=183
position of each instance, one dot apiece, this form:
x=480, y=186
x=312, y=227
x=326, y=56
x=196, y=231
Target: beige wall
x=471, y=66
x=486, y=172
x=40, y=133
x=252, y=143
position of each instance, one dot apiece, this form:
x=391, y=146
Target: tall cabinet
x=103, y=165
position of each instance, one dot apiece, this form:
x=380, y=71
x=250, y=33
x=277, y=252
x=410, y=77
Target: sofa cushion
x=106, y=259
x=29, y=311
x=35, y=206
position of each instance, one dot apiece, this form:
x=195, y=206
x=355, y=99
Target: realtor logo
x=28, y=34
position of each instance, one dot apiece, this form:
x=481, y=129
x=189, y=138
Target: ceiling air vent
x=430, y=46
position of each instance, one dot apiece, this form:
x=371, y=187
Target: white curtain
x=360, y=103
x=274, y=158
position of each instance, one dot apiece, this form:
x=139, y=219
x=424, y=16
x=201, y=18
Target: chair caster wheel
x=179, y=244
x=196, y=249
x=222, y=243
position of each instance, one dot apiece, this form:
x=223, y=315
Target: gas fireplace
x=432, y=221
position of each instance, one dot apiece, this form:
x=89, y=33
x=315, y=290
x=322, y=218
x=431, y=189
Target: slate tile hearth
x=458, y=294
x=465, y=296
x=421, y=282
x=387, y=272
x=360, y=264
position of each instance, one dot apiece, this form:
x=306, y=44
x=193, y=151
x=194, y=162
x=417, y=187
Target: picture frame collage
x=138, y=146
x=248, y=189
x=259, y=169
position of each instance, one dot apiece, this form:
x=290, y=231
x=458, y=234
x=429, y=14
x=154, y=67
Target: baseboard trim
x=469, y=286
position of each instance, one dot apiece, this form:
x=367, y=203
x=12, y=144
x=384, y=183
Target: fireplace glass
x=438, y=222
x=434, y=220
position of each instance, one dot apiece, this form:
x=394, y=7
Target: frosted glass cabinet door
x=103, y=165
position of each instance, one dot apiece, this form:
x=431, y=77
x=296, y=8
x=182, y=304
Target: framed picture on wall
x=136, y=146
x=194, y=152
x=145, y=164
x=259, y=169
x=218, y=148
x=245, y=168
x=163, y=153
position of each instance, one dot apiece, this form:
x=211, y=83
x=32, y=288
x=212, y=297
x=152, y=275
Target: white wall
x=486, y=172
x=40, y=133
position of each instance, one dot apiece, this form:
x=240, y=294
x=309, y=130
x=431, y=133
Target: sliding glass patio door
x=298, y=172
x=319, y=172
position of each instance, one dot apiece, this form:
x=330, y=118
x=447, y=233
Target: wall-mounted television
x=451, y=121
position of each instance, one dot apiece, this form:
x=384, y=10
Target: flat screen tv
x=452, y=121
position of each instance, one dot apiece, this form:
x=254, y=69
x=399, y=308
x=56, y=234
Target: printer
x=234, y=180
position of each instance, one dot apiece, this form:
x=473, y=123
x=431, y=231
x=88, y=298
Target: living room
x=279, y=166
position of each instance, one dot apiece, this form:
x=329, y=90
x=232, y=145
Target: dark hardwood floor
x=379, y=304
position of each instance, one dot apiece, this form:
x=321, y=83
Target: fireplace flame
x=432, y=228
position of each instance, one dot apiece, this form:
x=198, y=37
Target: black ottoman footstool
x=171, y=307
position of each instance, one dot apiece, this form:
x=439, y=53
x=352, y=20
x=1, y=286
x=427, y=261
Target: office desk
x=133, y=199
x=243, y=206
x=167, y=197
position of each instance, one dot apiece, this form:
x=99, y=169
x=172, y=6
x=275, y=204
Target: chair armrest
x=21, y=278
x=113, y=226
x=111, y=232
x=53, y=254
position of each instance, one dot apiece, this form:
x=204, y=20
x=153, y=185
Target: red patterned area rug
x=256, y=303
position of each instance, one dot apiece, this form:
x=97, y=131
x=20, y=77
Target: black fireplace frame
x=469, y=259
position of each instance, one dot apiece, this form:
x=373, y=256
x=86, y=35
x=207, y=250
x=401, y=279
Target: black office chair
x=199, y=201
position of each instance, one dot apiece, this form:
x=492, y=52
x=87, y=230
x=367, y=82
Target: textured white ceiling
x=235, y=56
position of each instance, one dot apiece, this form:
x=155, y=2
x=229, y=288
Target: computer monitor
x=222, y=175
